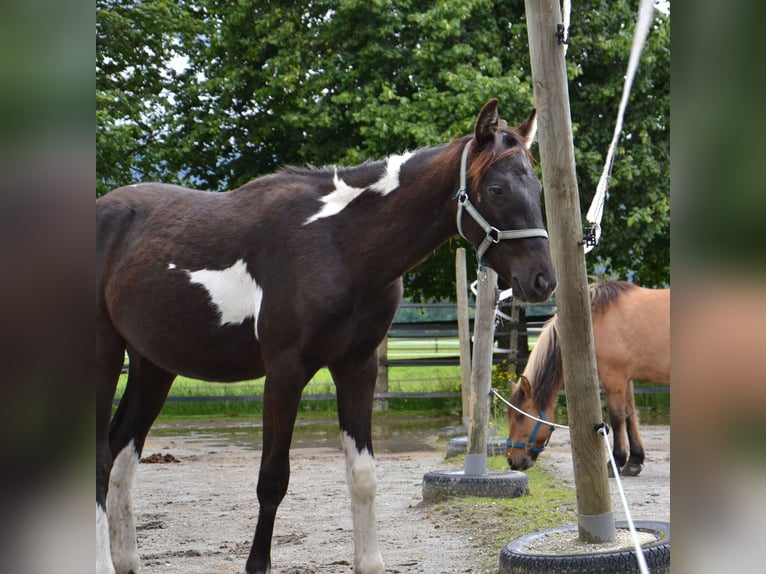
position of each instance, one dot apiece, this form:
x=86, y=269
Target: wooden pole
x=481, y=372
x=595, y=520
x=464, y=332
x=381, y=383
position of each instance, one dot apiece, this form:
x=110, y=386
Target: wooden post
x=464, y=332
x=481, y=372
x=595, y=520
x=381, y=384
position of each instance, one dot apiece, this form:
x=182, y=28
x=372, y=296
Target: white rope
x=596, y=210
x=636, y=543
x=567, y=16
x=526, y=414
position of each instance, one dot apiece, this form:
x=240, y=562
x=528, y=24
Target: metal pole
x=595, y=520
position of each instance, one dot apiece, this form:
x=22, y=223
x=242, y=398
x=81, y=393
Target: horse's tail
x=544, y=369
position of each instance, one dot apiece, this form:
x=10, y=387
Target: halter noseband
x=529, y=444
x=493, y=234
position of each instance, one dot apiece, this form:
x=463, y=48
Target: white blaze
x=343, y=194
x=362, y=485
x=119, y=508
x=233, y=291
x=336, y=201
x=390, y=179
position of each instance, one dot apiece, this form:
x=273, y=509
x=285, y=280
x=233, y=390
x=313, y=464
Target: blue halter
x=529, y=445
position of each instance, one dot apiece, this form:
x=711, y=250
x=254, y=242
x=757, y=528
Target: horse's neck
x=411, y=221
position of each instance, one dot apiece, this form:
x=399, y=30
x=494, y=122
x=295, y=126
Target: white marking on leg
x=337, y=200
x=362, y=484
x=119, y=508
x=103, y=553
x=389, y=181
x=233, y=291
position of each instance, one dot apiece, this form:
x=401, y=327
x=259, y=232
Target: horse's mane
x=602, y=295
x=544, y=369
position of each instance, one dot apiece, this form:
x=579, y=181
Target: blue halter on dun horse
x=631, y=333
x=287, y=274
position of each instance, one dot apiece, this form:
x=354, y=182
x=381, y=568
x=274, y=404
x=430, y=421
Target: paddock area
x=198, y=515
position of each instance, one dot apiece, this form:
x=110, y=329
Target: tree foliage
x=264, y=84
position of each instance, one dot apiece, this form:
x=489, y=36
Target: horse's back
x=633, y=333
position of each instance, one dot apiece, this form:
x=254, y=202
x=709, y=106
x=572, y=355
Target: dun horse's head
x=499, y=205
x=527, y=437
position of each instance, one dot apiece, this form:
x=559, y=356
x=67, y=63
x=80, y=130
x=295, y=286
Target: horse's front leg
x=281, y=397
x=355, y=383
x=636, y=461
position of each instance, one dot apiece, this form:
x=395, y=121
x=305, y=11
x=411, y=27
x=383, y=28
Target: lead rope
x=603, y=430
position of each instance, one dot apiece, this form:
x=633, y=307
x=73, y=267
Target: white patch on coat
x=103, y=552
x=171, y=266
x=233, y=291
x=119, y=508
x=362, y=485
x=389, y=181
x=337, y=200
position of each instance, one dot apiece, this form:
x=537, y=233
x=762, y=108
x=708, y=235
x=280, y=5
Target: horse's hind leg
x=636, y=461
x=147, y=388
x=110, y=355
x=616, y=401
x=285, y=380
x=355, y=383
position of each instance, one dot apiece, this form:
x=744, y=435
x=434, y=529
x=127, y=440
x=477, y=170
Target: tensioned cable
x=596, y=210
x=604, y=431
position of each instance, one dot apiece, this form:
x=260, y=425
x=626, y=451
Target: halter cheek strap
x=529, y=445
x=492, y=234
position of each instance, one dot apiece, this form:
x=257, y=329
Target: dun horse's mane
x=544, y=369
x=602, y=295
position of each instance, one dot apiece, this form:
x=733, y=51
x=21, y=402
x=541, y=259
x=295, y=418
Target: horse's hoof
x=610, y=470
x=632, y=469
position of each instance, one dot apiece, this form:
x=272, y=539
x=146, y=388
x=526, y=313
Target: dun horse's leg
x=355, y=383
x=110, y=354
x=145, y=393
x=636, y=461
x=615, y=395
x=281, y=397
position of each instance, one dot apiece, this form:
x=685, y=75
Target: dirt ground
x=199, y=514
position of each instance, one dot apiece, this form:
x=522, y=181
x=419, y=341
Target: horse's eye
x=496, y=191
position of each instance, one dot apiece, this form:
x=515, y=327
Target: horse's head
x=499, y=207
x=527, y=437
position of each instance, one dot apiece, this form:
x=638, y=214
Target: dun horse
x=631, y=332
x=280, y=277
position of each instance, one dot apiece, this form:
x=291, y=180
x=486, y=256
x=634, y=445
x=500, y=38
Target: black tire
x=439, y=485
x=515, y=560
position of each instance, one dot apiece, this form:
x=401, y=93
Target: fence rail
x=426, y=335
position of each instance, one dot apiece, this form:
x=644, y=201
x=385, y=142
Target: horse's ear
x=526, y=388
x=486, y=124
x=528, y=129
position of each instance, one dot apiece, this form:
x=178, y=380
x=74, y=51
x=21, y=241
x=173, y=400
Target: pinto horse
x=631, y=333
x=287, y=274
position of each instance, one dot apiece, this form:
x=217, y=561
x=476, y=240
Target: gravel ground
x=199, y=514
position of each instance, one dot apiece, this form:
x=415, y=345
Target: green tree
x=338, y=82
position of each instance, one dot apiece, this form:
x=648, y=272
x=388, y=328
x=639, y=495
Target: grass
x=493, y=522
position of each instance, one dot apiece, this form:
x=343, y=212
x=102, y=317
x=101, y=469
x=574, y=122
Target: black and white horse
x=287, y=274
